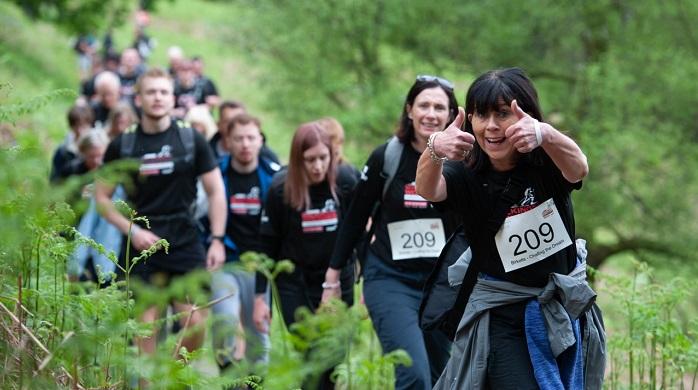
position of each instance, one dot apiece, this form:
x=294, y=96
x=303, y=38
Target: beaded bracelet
x=432, y=153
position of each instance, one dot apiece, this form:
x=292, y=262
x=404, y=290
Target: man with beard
x=247, y=176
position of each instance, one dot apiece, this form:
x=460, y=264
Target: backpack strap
x=128, y=142
x=186, y=135
x=391, y=162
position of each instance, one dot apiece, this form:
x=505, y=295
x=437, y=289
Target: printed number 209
x=532, y=238
x=418, y=240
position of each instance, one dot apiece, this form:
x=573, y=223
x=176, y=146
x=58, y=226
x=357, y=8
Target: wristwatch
x=219, y=238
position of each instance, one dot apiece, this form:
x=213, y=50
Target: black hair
x=488, y=92
x=112, y=56
x=405, y=129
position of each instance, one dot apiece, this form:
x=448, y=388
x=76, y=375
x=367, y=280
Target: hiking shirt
x=128, y=85
x=411, y=217
x=165, y=186
x=244, y=209
x=305, y=237
x=64, y=155
x=197, y=93
x=473, y=195
x=245, y=193
x=101, y=114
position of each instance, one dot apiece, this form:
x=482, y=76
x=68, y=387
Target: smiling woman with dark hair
x=407, y=235
x=511, y=182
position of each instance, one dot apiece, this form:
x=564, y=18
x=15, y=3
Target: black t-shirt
x=101, y=114
x=165, y=185
x=305, y=237
x=244, y=209
x=128, y=84
x=76, y=166
x=401, y=203
x=209, y=86
x=196, y=94
x=474, y=196
x=62, y=160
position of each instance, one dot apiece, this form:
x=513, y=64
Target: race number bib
x=530, y=237
x=415, y=238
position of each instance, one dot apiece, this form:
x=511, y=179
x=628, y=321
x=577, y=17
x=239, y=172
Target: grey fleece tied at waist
x=467, y=368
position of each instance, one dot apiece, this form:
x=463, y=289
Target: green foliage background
x=618, y=76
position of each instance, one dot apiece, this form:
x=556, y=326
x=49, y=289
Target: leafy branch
x=10, y=112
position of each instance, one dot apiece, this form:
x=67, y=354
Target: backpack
x=444, y=296
x=391, y=162
x=186, y=135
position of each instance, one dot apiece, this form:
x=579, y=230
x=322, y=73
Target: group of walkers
x=216, y=190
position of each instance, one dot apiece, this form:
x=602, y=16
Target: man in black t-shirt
x=210, y=89
x=129, y=71
x=228, y=110
x=247, y=176
x=171, y=158
x=108, y=90
x=191, y=91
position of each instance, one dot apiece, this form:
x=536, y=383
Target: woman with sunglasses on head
x=305, y=205
x=408, y=234
x=512, y=177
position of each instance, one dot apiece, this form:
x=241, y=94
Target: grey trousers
x=228, y=313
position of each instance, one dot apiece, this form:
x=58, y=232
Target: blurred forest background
x=618, y=76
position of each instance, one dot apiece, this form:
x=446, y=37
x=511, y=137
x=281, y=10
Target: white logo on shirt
x=364, y=173
x=320, y=220
x=160, y=163
x=246, y=204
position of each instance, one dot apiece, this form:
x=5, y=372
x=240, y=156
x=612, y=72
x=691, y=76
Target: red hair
x=296, y=192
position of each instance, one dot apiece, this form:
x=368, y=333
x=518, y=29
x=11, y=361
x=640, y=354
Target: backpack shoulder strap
x=186, y=135
x=391, y=161
x=128, y=142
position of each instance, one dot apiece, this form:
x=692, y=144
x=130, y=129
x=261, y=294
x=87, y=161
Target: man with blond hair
x=171, y=157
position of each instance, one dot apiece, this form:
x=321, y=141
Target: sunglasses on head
x=423, y=78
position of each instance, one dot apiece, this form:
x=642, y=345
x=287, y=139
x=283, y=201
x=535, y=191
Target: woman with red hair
x=304, y=208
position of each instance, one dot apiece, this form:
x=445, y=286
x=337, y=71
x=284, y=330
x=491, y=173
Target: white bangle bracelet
x=329, y=286
x=539, y=136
